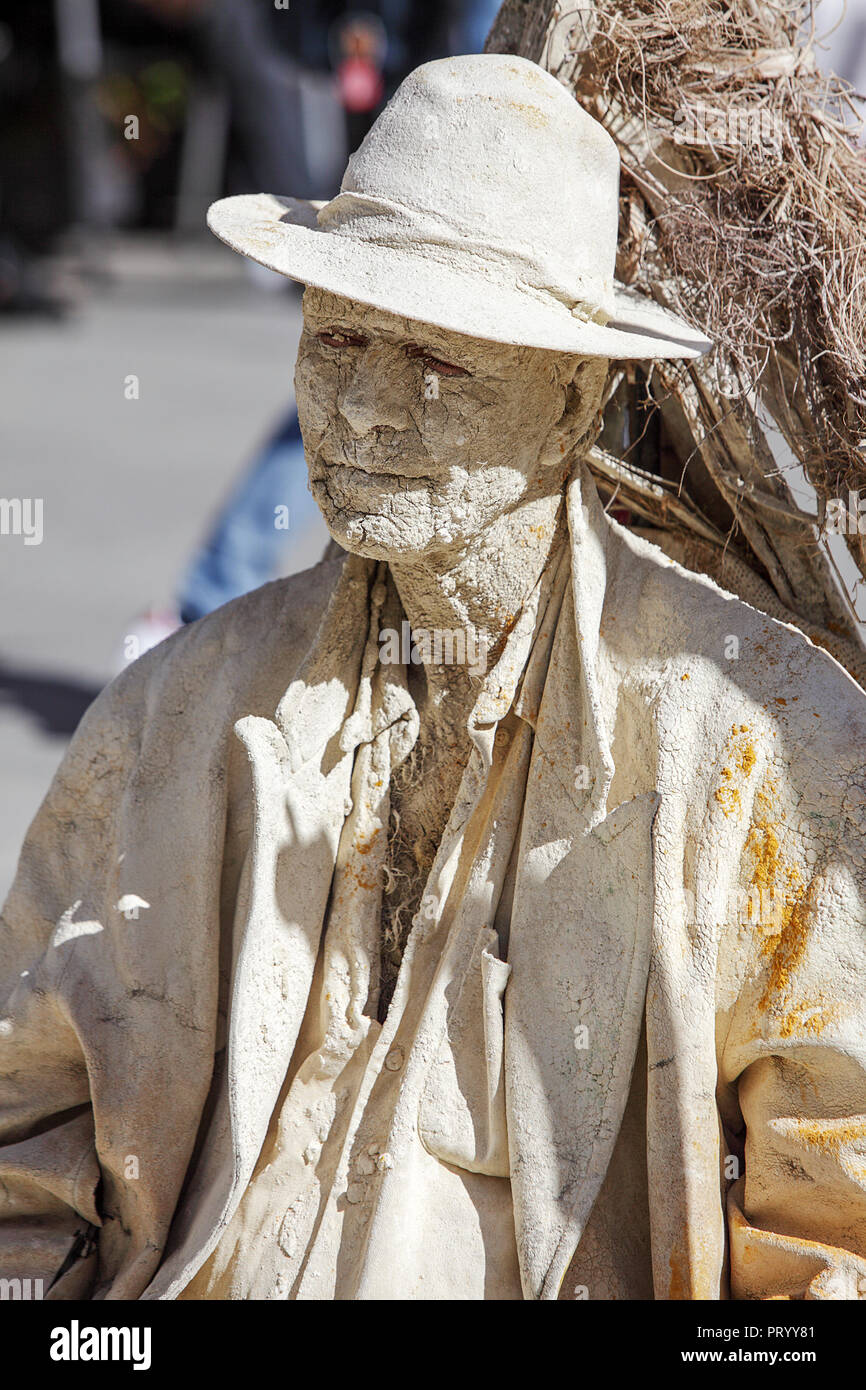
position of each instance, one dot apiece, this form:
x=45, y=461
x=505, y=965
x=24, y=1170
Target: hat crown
x=484, y=200
x=490, y=154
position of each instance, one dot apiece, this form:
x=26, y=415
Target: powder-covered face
x=417, y=438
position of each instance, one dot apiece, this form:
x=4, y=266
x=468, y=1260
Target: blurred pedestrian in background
x=136, y=114
x=269, y=523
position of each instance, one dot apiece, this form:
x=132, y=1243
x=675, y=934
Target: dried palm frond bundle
x=743, y=207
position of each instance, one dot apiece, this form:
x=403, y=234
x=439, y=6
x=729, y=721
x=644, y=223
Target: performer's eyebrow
x=437, y=364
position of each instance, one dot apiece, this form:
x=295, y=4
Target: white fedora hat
x=483, y=200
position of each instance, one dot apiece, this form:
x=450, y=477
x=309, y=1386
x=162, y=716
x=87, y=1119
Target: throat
x=465, y=599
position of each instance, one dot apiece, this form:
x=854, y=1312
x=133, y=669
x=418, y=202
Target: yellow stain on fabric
x=788, y=907
x=807, y=1018
x=831, y=1136
x=740, y=755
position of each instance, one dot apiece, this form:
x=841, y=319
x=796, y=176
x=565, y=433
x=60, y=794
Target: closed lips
x=365, y=474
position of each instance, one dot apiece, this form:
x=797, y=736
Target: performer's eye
x=332, y=338
x=435, y=364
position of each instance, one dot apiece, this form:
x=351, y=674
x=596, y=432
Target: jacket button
x=394, y=1060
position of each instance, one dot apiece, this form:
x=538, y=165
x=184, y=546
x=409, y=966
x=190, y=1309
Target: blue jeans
x=476, y=21
x=249, y=541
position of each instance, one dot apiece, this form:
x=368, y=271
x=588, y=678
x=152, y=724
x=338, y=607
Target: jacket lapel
x=301, y=783
x=581, y=934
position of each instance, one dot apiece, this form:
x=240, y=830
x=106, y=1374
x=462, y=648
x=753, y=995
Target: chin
x=402, y=533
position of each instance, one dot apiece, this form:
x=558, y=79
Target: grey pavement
x=127, y=485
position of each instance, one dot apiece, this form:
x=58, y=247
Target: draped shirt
x=369, y=1152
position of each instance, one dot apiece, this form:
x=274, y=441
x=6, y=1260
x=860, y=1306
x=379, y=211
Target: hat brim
x=283, y=235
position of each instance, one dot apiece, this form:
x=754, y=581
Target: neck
x=471, y=589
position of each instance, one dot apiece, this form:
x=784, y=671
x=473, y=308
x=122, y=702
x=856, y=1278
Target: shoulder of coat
x=697, y=631
x=234, y=661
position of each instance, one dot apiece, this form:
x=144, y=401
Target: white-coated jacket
x=691, y=859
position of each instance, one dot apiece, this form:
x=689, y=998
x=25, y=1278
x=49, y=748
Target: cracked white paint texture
x=706, y=777
x=231, y=788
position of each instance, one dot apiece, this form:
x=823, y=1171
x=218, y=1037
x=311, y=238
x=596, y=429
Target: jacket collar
x=321, y=697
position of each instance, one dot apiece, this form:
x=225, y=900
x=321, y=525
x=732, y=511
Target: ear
x=581, y=417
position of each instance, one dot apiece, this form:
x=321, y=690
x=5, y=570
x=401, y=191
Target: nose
x=375, y=390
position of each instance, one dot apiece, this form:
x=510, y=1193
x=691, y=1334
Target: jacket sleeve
x=49, y=1173
x=797, y=1215
x=797, y=1219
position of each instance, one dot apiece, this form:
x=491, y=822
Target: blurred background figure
x=300, y=107
x=139, y=113
x=359, y=48
x=145, y=371
x=34, y=176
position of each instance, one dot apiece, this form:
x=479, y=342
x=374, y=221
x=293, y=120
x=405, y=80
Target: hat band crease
x=382, y=222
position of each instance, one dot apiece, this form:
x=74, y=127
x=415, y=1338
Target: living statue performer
x=479, y=914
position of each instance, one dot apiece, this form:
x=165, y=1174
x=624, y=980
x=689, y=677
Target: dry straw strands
x=744, y=208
